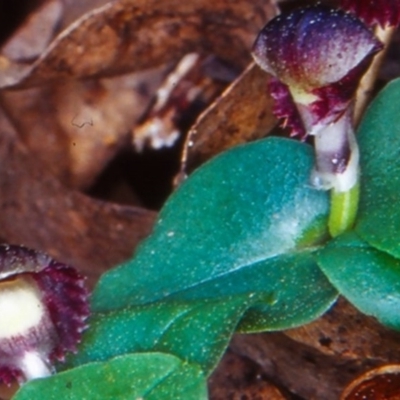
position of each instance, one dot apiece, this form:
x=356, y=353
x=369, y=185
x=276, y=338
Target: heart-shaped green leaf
x=236, y=239
x=367, y=277
x=146, y=376
x=250, y=204
x=206, y=317
x=379, y=140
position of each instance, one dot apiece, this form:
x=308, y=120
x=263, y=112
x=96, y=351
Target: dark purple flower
x=43, y=308
x=381, y=12
x=317, y=57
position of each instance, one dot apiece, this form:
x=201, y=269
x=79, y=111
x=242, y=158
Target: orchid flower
x=381, y=12
x=43, y=307
x=317, y=56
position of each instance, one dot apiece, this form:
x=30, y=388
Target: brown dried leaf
x=238, y=378
x=300, y=369
x=133, y=35
x=77, y=127
x=96, y=117
x=35, y=34
x=346, y=333
x=367, y=84
x=241, y=114
x=74, y=9
x=317, y=361
x=38, y=211
x=382, y=383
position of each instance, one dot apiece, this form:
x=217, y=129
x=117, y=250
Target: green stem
x=344, y=206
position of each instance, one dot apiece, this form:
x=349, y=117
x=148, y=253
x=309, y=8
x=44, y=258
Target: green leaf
x=237, y=239
x=367, y=277
x=379, y=140
x=284, y=291
x=197, y=324
x=250, y=204
x=147, y=376
x=198, y=332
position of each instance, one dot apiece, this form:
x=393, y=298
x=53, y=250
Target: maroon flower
x=317, y=56
x=43, y=308
x=381, y=12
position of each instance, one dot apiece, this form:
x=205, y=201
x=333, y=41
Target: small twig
x=365, y=88
x=90, y=122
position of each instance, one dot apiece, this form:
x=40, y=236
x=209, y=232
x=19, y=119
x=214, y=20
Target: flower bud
x=43, y=307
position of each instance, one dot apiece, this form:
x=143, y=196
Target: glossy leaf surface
x=235, y=240
x=284, y=292
x=197, y=332
x=147, y=376
x=250, y=204
x=379, y=140
x=205, y=318
x=367, y=277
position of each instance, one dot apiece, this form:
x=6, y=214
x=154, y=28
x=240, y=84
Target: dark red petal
x=313, y=47
x=381, y=12
x=285, y=108
x=9, y=375
x=67, y=300
x=334, y=98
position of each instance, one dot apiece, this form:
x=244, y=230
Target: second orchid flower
x=317, y=57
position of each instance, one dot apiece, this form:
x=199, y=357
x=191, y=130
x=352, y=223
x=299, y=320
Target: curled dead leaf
x=129, y=35
x=37, y=210
x=299, y=368
x=73, y=10
x=241, y=114
x=76, y=127
x=346, y=333
x=381, y=383
x=237, y=378
x=35, y=34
